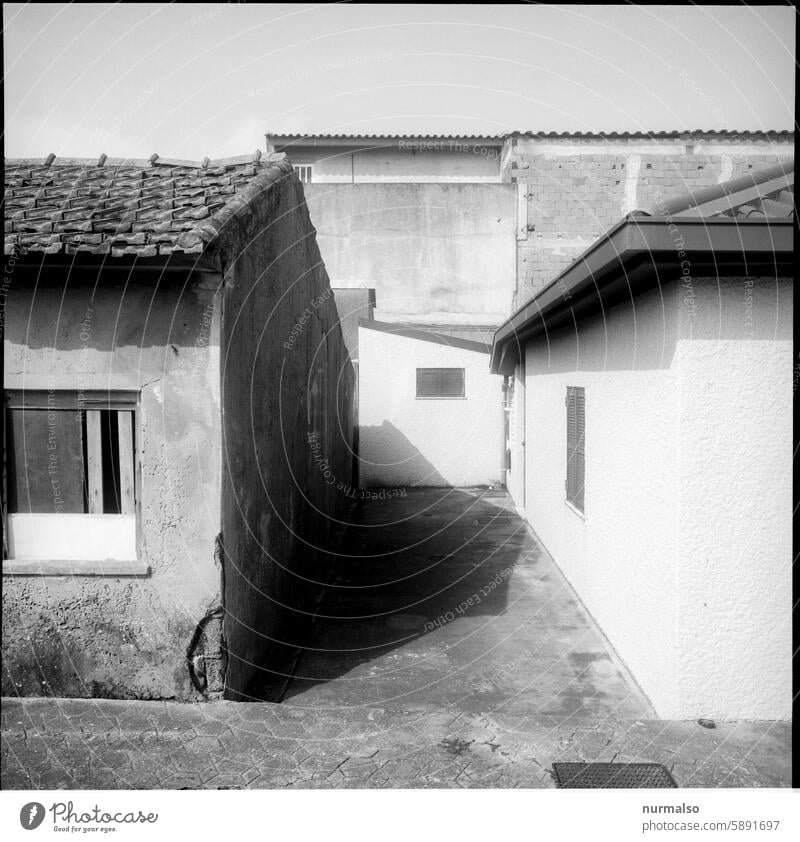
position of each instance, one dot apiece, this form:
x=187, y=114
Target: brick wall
x=574, y=188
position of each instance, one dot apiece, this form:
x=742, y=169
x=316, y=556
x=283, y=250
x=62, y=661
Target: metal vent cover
x=612, y=776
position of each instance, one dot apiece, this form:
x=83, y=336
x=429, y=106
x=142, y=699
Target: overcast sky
x=196, y=80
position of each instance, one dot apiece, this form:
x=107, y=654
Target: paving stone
x=490, y=699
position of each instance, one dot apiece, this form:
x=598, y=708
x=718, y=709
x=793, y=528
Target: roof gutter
x=637, y=254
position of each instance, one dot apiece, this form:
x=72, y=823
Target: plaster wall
x=288, y=389
x=620, y=555
x=431, y=250
x=124, y=637
x=451, y=162
x=683, y=554
x=734, y=367
x=515, y=475
x=432, y=441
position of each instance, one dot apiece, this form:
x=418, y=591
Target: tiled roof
x=122, y=207
x=765, y=194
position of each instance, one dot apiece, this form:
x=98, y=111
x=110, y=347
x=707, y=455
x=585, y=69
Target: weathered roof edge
x=208, y=230
x=197, y=239
x=153, y=161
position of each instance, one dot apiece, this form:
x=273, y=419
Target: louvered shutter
x=440, y=382
x=453, y=382
x=576, y=426
x=580, y=438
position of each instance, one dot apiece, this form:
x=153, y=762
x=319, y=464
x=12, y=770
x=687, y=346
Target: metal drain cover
x=613, y=776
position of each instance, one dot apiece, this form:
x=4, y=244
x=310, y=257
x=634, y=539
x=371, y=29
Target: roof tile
x=126, y=208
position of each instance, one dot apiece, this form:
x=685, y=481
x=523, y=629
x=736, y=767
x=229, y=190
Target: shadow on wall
x=384, y=451
x=125, y=314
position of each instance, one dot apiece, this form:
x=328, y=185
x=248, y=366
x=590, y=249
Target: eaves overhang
x=35, y=267
x=638, y=254
x=289, y=143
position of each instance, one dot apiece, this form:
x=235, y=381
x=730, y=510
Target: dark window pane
x=109, y=432
x=46, y=470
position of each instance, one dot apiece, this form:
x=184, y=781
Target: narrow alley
x=449, y=652
x=444, y=599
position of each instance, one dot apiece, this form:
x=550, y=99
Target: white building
x=651, y=442
x=430, y=411
x=360, y=159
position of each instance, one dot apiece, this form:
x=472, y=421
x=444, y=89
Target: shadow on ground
x=443, y=597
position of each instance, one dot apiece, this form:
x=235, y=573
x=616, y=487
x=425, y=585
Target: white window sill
x=73, y=567
x=72, y=545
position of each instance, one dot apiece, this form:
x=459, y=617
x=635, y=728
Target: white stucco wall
x=450, y=162
x=515, y=475
x=620, y=556
x=735, y=546
x=683, y=555
x=408, y=441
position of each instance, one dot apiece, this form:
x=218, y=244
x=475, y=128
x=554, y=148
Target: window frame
x=304, y=167
x=127, y=400
x=575, y=497
x=461, y=397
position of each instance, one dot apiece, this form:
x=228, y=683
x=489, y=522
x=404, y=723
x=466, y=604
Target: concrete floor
x=449, y=652
x=445, y=598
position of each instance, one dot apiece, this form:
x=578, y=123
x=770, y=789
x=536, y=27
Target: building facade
x=429, y=408
x=162, y=501
x=652, y=442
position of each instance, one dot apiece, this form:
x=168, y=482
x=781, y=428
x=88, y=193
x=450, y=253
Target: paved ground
x=101, y=744
x=447, y=599
x=449, y=652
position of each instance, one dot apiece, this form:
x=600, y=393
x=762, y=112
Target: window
x=71, y=487
x=576, y=420
x=440, y=382
x=304, y=172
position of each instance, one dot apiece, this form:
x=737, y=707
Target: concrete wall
x=683, y=555
x=425, y=442
x=286, y=377
x=432, y=250
x=451, y=162
x=124, y=637
x=571, y=190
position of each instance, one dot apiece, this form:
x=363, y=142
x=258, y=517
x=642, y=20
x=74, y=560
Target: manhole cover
x=613, y=776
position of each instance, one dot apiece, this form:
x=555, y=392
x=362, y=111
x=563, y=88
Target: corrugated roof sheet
x=121, y=207
x=324, y=136
x=786, y=133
